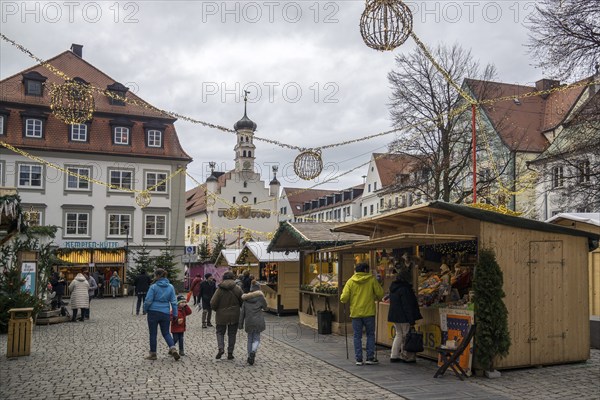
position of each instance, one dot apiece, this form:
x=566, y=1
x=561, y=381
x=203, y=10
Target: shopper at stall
x=362, y=291
x=160, y=305
x=178, y=323
x=226, y=303
x=207, y=289
x=195, y=288
x=251, y=316
x=58, y=285
x=403, y=312
x=115, y=284
x=80, y=300
x=142, y=283
x=91, y=291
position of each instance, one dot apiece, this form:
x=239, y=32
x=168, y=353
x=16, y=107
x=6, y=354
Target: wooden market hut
x=320, y=273
x=278, y=275
x=544, y=266
x=227, y=258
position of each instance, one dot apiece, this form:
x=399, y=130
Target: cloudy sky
x=312, y=81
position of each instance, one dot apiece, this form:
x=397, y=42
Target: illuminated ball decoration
x=308, y=164
x=143, y=199
x=231, y=213
x=72, y=102
x=385, y=24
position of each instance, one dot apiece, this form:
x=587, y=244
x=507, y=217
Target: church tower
x=244, y=148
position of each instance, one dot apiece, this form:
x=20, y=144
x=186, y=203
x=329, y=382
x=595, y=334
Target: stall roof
x=230, y=255
x=431, y=212
x=310, y=236
x=404, y=240
x=259, y=250
x=588, y=218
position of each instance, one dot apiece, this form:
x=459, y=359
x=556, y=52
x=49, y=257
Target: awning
x=403, y=240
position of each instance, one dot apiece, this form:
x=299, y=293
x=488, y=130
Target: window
x=121, y=135
x=121, y=179
x=78, y=182
x=156, y=182
x=2, y=117
x=30, y=175
x=374, y=186
x=381, y=203
x=371, y=209
x=583, y=171
x=365, y=211
x=234, y=199
x=79, y=132
x=558, y=179
x=154, y=138
x=156, y=225
x=118, y=224
x=369, y=189
x=33, y=127
x=77, y=224
x=117, y=93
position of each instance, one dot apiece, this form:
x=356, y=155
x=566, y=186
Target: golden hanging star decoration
x=72, y=102
x=385, y=24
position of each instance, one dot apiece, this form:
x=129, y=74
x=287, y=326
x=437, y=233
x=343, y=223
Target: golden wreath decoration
x=143, y=199
x=308, y=164
x=72, y=102
x=231, y=213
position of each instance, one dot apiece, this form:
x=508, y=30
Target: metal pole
x=474, y=135
x=346, y=330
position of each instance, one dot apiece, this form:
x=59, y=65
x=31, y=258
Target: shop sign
x=28, y=274
x=432, y=336
x=91, y=245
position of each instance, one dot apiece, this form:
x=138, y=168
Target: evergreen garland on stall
x=492, y=338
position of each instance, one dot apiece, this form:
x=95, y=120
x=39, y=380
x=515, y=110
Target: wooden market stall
x=544, y=267
x=320, y=272
x=278, y=275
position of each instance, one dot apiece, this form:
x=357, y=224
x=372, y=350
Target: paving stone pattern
x=103, y=359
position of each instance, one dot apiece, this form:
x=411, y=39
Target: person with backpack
x=226, y=303
x=251, y=316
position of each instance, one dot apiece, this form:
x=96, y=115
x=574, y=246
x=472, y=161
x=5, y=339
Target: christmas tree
x=218, y=245
x=203, y=252
x=492, y=338
x=142, y=262
x=166, y=261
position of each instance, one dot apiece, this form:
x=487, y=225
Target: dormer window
x=34, y=83
x=33, y=124
x=121, y=135
x=4, y=113
x=154, y=134
x=116, y=93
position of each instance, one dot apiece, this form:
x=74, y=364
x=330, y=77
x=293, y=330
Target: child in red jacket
x=178, y=324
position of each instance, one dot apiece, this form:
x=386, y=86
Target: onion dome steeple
x=245, y=122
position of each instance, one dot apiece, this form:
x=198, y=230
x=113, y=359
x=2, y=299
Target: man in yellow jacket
x=362, y=291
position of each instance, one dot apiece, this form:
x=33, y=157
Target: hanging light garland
x=385, y=24
x=308, y=164
x=72, y=102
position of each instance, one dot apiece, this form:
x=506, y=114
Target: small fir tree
x=492, y=338
x=203, y=251
x=218, y=245
x=142, y=262
x=166, y=261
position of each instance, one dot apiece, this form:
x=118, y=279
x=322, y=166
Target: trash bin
x=324, y=319
x=19, y=332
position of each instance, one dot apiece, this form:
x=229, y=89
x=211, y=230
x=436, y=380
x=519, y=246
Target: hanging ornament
x=72, y=102
x=231, y=213
x=143, y=199
x=308, y=164
x=385, y=24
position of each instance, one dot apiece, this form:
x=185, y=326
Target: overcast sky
x=312, y=79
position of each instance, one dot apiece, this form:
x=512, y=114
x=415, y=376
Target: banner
x=28, y=273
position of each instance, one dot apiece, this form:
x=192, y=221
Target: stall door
x=547, y=297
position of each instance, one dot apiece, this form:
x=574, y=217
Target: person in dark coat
x=246, y=281
x=58, y=285
x=251, y=315
x=226, y=303
x=207, y=289
x=142, y=284
x=195, y=288
x=404, y=311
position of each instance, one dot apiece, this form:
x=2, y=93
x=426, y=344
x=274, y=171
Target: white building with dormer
x=237, y=205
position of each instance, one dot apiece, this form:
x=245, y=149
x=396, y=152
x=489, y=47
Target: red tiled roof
x=390, y=166
x=12, y=97
x=195, y=199
x=298, y=196
x=521, y=123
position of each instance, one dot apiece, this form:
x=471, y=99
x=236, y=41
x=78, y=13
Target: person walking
x=251, y=316
x=362, y=291
x=403, y=312
x=178, y=324
x=91, y=291
x=58, y=285
x=207, y=290
x=226, y=303
x=246, y=281
x=160, y=305
x=97, y=278
x=142, y=283
x=195, y=288
x=115, y=284
x=79, y=296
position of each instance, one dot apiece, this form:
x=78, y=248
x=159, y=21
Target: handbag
x=413, y=342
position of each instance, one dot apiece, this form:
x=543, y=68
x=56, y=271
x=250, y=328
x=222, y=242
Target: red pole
x=473, y=112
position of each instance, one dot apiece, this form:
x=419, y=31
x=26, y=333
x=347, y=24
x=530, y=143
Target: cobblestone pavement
x=103, y=359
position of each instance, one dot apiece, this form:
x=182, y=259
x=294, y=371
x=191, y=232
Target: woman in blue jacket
x=160, y=302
